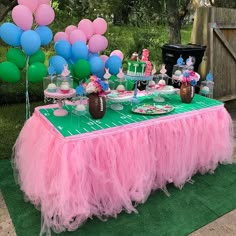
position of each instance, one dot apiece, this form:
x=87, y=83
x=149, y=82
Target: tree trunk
x=5, y=7
x=174, y=22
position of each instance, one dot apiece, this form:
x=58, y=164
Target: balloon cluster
x=80, y=46
x=26, y=41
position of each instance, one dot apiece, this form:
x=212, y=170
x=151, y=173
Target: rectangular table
x=76, y=167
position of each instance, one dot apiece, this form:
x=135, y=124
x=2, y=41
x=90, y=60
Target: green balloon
x=9, y=72
x=39, y=56
x=36, y=72
x=82, y=69
x=17, y=57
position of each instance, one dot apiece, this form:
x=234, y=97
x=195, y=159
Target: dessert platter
x=152, y=109
x=117, y=98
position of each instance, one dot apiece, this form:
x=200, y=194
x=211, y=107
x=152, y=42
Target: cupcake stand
x=60, y=99
x=137, y=79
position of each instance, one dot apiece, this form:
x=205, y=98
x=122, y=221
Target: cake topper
x=107, y=75
x=209, y=76
x=180, y=60
x=134, y=57
x=189, y=61
x=65, y=71
x=120, y=75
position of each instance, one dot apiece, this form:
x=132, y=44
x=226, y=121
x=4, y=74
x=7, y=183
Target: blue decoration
x=45, y=34
x=180, y=61
x=96, y=64
x=51, y=70
x=30, y=42
x=58, y=62
x=193, y=82
x=11, y=34
x=63, y=48
x=79, y=51
x=80, y=90
x=209, y=76
x=114, y=64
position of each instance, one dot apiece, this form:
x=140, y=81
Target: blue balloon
x=92, y=54
x=114, y=64
x=63, y=48
x=10, y=34
x=30, y=42
x=79, y=50
x=100, y=74
x=45, y=34
x=96, y=64
x=58, y=62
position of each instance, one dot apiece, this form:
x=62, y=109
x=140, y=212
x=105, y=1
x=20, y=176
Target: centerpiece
x=188, y=81
x=96, y=90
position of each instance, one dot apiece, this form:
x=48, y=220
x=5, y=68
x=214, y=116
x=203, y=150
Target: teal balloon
x=39, y=56
x=9, y=72
x=36, y=72
x=16, y=56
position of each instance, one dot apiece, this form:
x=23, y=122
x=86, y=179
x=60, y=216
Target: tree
x=5, y=7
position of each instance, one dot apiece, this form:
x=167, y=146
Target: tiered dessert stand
x=60, y=99
x=137, y=79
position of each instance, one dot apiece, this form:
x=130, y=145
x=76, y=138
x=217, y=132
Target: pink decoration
x=44, y=15
x=97, y=43
x=104, y=58
x=87, y=27
x=117, y=53
x=105, y=171
x=47, y=2
x=60, y=36
x=107, y=75
x=30, y=4
x=22, y=16
x=70, y=28
x=77, y=35
x=100, y=26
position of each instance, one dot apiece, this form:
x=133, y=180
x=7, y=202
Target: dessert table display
x=74, y=167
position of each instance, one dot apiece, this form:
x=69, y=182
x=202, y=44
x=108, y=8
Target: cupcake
x=120, y=88
x=161, y=84
x=52, y=88
x=151, y=84
x=80, y=110
x=65, y=87
x=177, y=75
x=204, y=90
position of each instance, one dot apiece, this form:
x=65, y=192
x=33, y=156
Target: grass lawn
x=127, y=39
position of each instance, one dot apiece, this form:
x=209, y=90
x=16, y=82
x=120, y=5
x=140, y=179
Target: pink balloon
x=43, y=2
x=117, y=53
x=31, y=4
x=97, y=43
x=22, y=16
x=104, y=58
x=77, y=35
x=44, y=15
x=87, y=27
x=70, y=28
x=100, y=26
x=60, y=36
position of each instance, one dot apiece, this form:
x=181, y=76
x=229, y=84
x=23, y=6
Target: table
x=74, y=168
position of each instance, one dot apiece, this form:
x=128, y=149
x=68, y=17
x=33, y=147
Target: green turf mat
x=73, y=125
x=186, y=210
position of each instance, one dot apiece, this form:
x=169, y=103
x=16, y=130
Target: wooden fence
x=215, y=28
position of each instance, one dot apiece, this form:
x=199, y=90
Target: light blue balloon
x=114, y=64
x=92, y=54
x=30, y=42
x=45, y=34
x=63, y=48
x=58, y=62
x=96, y=64
x=79, y=50
x=10, y=34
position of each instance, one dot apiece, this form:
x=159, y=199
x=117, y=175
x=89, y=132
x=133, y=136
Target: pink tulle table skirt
x=104, y=172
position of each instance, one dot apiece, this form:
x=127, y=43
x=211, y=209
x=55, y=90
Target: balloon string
x=27, y=101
